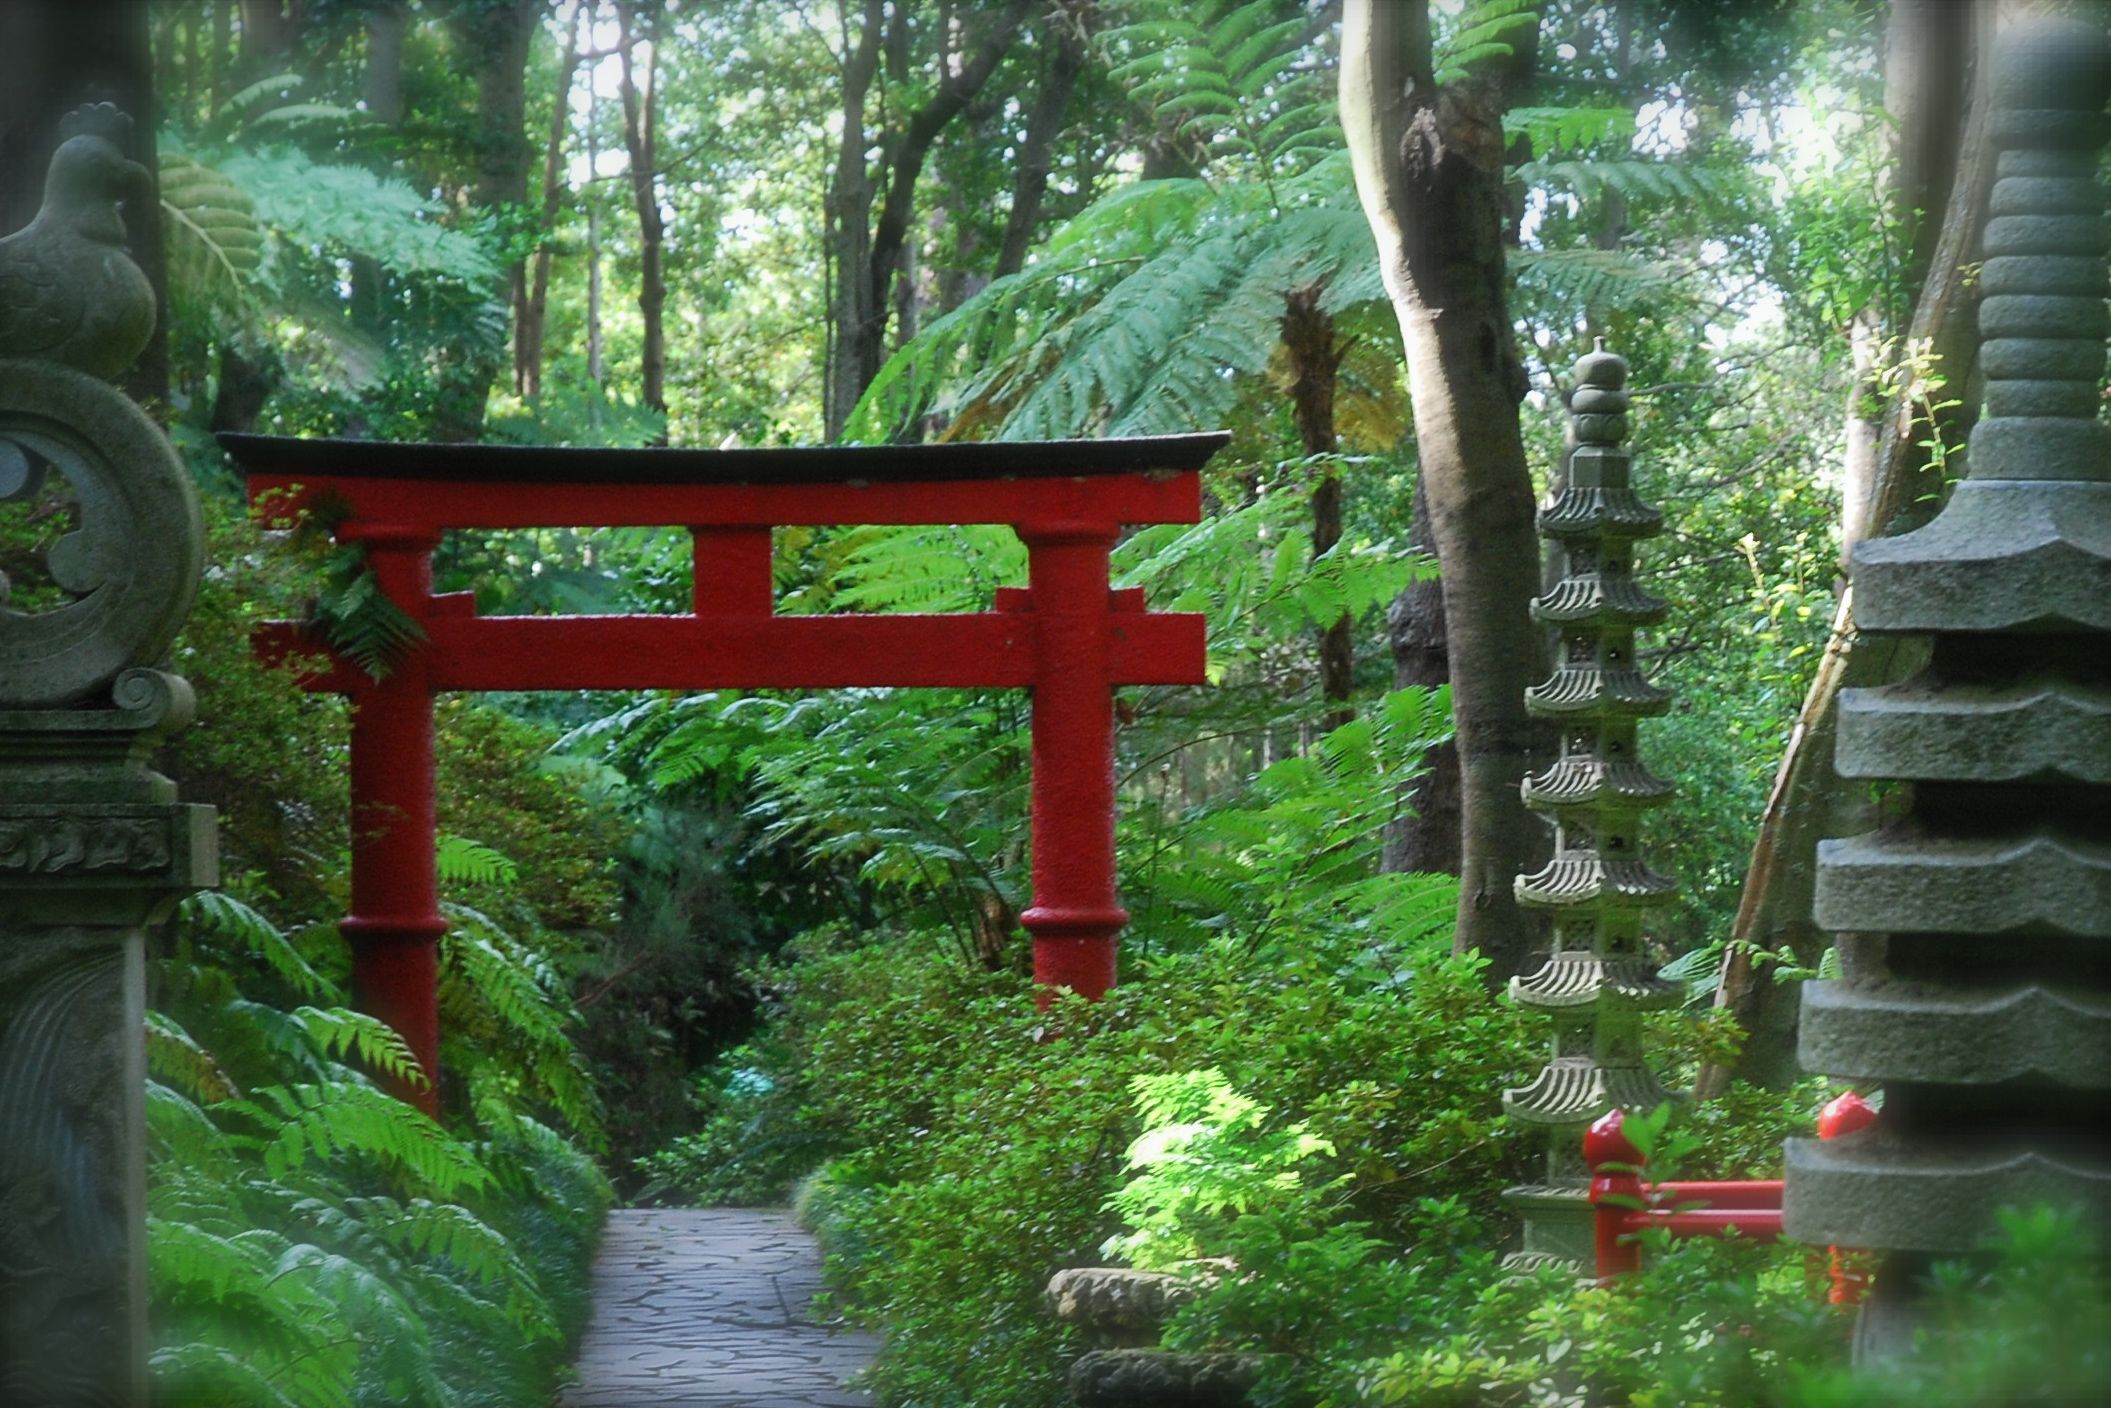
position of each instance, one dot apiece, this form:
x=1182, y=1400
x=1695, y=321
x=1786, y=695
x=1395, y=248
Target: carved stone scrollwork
x=134, y=562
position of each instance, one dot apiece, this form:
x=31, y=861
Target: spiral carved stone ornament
x=134, y=561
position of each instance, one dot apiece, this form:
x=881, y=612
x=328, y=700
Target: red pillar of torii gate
x=1067, y=636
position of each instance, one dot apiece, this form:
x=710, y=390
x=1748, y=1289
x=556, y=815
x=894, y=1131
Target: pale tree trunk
x=1429, y=170
x=532, y=316
x=640, y=104
x=1929, y=52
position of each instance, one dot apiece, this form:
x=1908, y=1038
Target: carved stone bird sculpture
x=69, y=292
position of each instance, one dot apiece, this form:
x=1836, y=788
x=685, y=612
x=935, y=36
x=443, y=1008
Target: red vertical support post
x=1075, y=914
x=395, y=925
x=1615, y=1165
x=731, y=572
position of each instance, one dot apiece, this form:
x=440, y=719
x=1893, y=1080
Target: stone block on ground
x=1156, y=1378
x=1115, y=1307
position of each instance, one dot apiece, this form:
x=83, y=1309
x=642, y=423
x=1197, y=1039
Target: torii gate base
x=1066, y=636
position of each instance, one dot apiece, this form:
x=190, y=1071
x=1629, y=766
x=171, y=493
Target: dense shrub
x=977, y=1140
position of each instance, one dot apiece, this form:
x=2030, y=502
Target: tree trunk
x=640, y=105
x=387, y=24
x=54, y=56
x=1315, y=368
x=1425, y=837
x=849, y=224
x=1809, y=802
x=1429, y=170
x=594, y=369
x=860, y=334
x=1066, y=61
x=269, y=28
x=532, y=316
x=496, y=34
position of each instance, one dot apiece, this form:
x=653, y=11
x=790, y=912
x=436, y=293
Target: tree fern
x=173, y=1055
x=373, y=1043
x=1147, y=309
x=497, y=990
x=216, y=911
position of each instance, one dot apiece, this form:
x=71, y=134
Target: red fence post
x=395, y=925
x=1615, y=1165
x=1849, y=1270
x=1075, y=914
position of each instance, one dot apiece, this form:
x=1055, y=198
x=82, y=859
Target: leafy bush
x=980, y=1139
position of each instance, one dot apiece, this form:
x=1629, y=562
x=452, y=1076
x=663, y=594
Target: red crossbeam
x=1623, y=1204
x=1067, y=636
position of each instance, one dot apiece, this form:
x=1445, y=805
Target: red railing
x=1623, y=1204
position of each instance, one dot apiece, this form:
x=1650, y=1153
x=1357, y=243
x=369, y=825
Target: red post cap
x=1603, y=1142
x=1844, y=1114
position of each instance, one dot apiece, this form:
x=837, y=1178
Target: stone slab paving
x=711, y=1309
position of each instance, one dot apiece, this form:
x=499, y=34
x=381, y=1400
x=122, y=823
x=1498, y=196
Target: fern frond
x=343, y=1033
x=353, y=1117
x=1571, y=129
x=173, y=1055
x=461, y=861
x=359, y=620
x=215, y=242
x=217, y=912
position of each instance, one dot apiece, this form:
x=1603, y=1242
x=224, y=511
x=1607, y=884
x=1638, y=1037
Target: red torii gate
x=1067, y=635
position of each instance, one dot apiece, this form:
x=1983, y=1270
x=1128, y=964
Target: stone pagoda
x=1596, y=983
x=1981, y=997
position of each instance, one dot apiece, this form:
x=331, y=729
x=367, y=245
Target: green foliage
x=1704, y=1323
x=313, y=1240
x=338, y=207
x=215, y=242
x=981, y=1141
x=1228, y=78
x=1207, y=1156
x=359, y=620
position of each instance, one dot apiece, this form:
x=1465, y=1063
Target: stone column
x=93, y=844
x=1983, y=1002
x=1597, y=982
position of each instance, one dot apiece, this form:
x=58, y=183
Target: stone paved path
x=710, y=1309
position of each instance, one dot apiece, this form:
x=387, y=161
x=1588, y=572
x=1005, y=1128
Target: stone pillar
x=93, y=844
x=1982, y=1000
x=1597, y=982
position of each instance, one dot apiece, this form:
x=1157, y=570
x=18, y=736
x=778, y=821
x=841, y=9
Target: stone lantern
x=1597, y=889
x=94, y=845
x=1977, y=991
